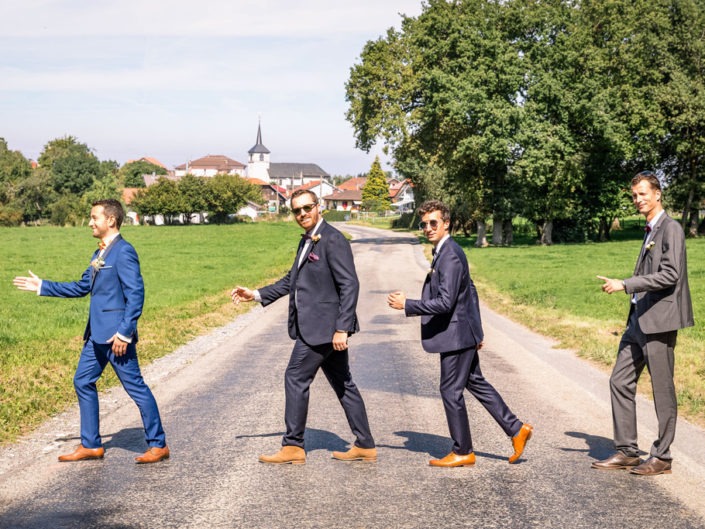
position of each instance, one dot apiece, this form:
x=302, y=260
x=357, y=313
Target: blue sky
x=178, y=79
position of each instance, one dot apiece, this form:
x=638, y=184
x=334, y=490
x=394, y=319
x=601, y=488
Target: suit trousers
x=654, y=351
x=303, y=366
x=460, y=370
x=94, y=358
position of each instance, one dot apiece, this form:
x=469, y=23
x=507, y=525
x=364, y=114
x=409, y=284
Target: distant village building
x=287, y=175
x=211, y=165
x=148, y=159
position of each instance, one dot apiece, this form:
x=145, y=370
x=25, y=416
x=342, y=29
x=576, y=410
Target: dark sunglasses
x=433, y=223
x=306, y=209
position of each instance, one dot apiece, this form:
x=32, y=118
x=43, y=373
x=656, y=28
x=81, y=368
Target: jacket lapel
x=654, y=234
x=94, y=272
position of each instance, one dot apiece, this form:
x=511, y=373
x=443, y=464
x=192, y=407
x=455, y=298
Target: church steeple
x=259, y=148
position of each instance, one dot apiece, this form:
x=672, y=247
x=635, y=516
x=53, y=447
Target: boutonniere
x=316, y=238
x=649, y=246
x=98, y=263
x=430, y=271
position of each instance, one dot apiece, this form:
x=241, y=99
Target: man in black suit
x=451, y=325
x=323, y=288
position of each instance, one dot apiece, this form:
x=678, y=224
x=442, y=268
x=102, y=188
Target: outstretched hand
x=611, y=285
x=30, y=284
x=239, y=294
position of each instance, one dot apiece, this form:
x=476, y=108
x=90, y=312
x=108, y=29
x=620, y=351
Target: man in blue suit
x=115, y=284
x=323, y=289
x=451, y=325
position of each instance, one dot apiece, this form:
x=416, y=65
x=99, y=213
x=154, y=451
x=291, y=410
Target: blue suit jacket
x=117, y=293
x=449, y=306
x=322, y=293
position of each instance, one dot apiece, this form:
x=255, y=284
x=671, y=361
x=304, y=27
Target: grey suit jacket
x=660, y=281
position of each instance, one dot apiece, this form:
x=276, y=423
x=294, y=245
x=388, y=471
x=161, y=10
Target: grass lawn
x=188, y=273
x=553, y=290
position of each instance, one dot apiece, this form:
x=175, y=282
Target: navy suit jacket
x=117, y=293
x=449, y=306
x=322, y=293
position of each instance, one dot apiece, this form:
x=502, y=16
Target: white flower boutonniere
x=98, y=263
x=316, y=238
x=649, y=246
x=430, y=271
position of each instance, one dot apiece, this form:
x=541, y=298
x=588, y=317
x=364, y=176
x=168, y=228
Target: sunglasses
x=306, y=209
x=433, y=223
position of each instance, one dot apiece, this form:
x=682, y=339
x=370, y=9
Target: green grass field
x=553, y=290
x=188, y=273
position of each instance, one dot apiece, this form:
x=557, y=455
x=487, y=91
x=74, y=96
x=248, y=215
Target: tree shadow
x=598, y=447
x=386, y=240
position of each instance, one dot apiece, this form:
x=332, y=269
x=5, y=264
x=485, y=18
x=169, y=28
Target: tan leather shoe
x=357, y=454
x=288, y=454
x=153, y=454
x=83, y=453
x=519, y=441
x=652, y=467
x=617, y=461
x=454, y=460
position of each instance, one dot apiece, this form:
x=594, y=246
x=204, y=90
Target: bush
x=333, y=215
x=10, y=216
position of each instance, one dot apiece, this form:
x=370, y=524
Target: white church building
x=287, y=175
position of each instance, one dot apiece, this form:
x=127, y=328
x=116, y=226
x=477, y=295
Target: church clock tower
x=258, y=161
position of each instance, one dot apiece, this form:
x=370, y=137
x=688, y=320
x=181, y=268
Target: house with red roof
x=211, y=165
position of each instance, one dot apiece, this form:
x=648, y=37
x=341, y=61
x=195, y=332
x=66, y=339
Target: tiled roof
x=346, y=194
x=295, y=170
x=356, y=182
x=129, y=193
x=259, y=148
x=220, y=163
x=148, y=159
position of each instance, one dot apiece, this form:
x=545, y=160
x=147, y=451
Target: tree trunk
x=508, y=233
x=481, y=234
x=616, y=225
x=694, y=221
x=497, y=225
x=686, y=208
x=603, y=231
x=547, y=233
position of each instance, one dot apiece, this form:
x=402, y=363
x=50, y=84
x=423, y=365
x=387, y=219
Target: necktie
x=306, y=236
x=101, y=246
x=647, y=228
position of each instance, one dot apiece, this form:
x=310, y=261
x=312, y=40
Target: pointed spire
x=259, y=147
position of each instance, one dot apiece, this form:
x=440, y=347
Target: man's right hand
x=31, y=284
x=239, y=294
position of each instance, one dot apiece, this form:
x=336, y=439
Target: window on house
x=261, y=157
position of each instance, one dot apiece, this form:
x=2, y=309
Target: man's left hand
x=611, y=285
x=340, y=341
x=397, y=300
x=119, y=347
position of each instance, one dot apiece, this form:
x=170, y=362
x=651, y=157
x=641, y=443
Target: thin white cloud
x=275, y=18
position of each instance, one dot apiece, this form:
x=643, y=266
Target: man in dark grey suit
x=659, y=306
x=451, y=325
x=323, y=289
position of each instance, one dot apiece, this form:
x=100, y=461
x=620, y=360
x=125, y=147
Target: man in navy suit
x=451, y=325
x=323, y=289
x=115, y=284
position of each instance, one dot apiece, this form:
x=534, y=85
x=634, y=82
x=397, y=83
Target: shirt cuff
x=258, y=298
x=39, y=290
x=123, y=338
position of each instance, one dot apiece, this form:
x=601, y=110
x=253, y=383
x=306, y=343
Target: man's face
x=433, y=226
x=645, y=197
x=306, y=219
x=99, y=223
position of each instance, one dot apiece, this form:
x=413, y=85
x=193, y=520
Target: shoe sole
x=452, y=466
x=626, y=467
x=650, y=473
x=80, y=459
x=148, y=462
x=366, y=459
x=296, y=462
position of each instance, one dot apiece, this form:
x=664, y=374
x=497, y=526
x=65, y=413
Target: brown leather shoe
x=357, y=454
x=652, y=467
x=454, y=460
x=288, y=454
x=617, y=461
x=83, y=453
x=519, y=441
x=153, y=454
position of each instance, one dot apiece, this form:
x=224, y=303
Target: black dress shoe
x=618, y=461
x=652, y=467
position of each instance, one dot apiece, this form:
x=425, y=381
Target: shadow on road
x=386, y=240
x=314, y=439
x=58, y=517
x=598, y=447
x=131, y=439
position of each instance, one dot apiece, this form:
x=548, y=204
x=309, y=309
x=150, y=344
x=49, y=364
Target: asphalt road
x=223, y=405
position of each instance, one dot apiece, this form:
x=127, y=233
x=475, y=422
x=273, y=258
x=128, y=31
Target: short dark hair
x=299, y=192
x=650, y=177
x=434, y=205
x=112, y=208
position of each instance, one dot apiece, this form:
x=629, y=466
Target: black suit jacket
x=322, y=293
x=449, y=306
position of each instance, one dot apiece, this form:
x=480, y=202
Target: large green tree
x=375, y=192
x=131, y=174
x=71, y=166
